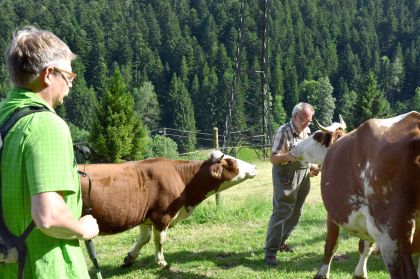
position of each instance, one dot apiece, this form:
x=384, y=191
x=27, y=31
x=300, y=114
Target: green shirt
x=38, y=157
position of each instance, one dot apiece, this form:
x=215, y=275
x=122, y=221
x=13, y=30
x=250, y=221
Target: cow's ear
x=231, y=169
x=337, y=134
x=327, y=140
x=216, y=171
x=231, y=164
x=318, y=136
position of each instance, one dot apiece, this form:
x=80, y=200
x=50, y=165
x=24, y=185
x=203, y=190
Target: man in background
x=39, y=179
x=291, y=182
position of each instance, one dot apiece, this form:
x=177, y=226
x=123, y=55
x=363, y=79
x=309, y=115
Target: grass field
x=227, y=241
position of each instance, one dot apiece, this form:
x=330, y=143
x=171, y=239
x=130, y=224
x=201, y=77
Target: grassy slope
x=228, y=242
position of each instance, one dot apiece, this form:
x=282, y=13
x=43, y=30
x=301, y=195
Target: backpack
x=13, y=248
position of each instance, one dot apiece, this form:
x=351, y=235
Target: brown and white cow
x=370, y=185
x=156, y=194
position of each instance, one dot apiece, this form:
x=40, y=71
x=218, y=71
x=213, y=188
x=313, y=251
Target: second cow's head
x=314, y=148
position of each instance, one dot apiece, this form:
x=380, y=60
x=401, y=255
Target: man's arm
x=52, y=216
x=281, y=158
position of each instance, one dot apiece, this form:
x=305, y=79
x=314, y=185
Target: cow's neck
x=198, y=183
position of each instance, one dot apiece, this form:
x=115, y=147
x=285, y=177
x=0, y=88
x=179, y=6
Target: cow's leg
x=396, y=252
x=365, y=249
x=144, y=237
x=159, y=239
x=329, y=249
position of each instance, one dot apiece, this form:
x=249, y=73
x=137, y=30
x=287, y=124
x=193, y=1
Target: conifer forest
x=240, y=66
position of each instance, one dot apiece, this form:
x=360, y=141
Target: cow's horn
x=343, y=124
x=217, y=156
x=322, y=128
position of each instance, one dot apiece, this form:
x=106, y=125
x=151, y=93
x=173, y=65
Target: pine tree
x=4, y=83
x=372, y=102
x=277, y=93
x=182, y=115
x=416, y=100
x=98, y=69
x=319, y=95
x=117, y=133
x=291, y=87
x=348, y=109
x=81, y=105
x=146, y=105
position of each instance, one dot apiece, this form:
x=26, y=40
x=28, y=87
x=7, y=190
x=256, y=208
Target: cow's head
x=314, y=148
x=230, y=170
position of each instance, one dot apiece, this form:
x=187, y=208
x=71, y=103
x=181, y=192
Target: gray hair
x=301, y=107
x=30, y=51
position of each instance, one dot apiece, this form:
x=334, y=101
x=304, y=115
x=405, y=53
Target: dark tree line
x=358, y=58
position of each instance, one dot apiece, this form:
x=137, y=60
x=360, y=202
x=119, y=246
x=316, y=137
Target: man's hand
x=282, y=158
x=289, y=157
x=90, y=227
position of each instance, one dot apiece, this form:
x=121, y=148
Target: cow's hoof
x=163, y=265
x=319, y=276
x=128, y=261
x=359, y=277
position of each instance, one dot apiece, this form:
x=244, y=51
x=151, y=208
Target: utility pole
x=265, y=98
x=228, y=121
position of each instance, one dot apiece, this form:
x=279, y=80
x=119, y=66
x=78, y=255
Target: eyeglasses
x=68, y=76
x=304, y=120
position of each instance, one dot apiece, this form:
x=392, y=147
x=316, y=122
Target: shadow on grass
x=191, y=261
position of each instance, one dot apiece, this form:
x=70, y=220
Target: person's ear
x=45, y=76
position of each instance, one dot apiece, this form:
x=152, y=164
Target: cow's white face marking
x=246, y=171
x=310, y=151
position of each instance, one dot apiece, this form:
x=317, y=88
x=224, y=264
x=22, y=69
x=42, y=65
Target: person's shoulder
x=48, y=119
x=285, y=127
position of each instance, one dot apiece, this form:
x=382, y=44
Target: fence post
x=216, y=147
x=164, y=146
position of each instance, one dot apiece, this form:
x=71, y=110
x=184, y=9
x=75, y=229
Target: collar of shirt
x=20, y=97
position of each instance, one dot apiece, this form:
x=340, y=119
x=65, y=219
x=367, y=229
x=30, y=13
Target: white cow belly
x=361, y=224
x=357, y=224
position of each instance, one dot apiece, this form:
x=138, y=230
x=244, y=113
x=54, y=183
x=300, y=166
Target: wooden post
x=164, y=146
x=216, y=147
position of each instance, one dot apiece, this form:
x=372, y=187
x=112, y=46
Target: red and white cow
x=156, y=194
x=370, y=185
